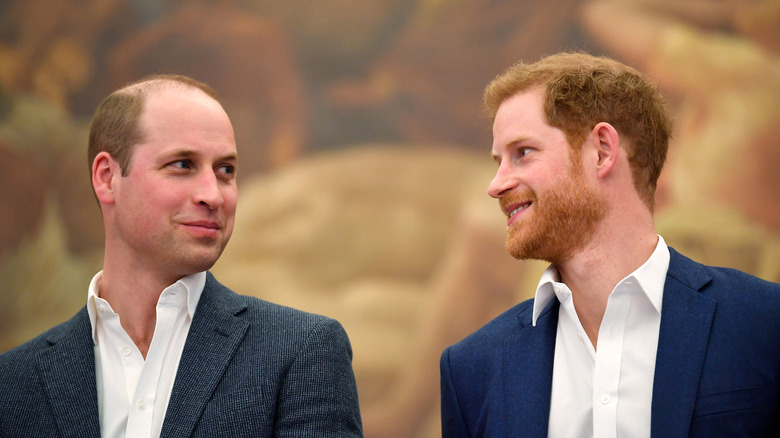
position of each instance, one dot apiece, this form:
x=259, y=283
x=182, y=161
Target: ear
x=607, y=143
x=105, y=170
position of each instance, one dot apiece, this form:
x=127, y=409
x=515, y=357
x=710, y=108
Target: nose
x=501, y=183
x=208, y=191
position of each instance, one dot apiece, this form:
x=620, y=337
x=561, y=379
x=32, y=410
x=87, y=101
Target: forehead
x=519, y=116
x=179, y=106
x=186, y=118
x=525, y=104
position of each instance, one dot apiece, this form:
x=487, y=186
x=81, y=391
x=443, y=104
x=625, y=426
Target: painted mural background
x=364, y=158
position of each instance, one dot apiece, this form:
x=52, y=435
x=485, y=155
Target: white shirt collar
x=651, y=277
x=192, y=286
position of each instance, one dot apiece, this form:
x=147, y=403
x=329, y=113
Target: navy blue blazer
x=249, y=368
x=717, y=371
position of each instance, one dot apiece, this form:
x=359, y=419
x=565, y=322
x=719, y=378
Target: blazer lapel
x=214, y=336
x=686, y=320
x=67, y=372
x=528, y=366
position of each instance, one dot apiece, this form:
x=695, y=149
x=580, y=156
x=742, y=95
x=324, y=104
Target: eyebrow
x=187, y=153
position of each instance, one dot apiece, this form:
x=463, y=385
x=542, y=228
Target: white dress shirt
x=133, y=393
x=606, y=393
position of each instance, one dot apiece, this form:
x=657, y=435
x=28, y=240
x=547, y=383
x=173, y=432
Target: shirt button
x=126, y=351
x=605, y=399
x=100, y=309
x=141, y=404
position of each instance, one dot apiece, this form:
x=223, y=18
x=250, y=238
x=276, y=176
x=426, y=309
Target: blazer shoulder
x=299, y=362
x=271, y=319
x=492, y=334
x=721, y=282
x=17, y=365
x=739, y=297
x=29, y=349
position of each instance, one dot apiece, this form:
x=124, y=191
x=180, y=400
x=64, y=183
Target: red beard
x=558, y=222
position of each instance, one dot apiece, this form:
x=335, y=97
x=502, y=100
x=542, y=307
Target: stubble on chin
x=197, y=256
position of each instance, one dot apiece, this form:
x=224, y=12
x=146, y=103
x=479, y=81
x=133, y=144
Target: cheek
x=169, y=197
x=162, y=202
x=230, y=201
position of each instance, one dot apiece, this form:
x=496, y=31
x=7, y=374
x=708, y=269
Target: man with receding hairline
x=161, y=348
x=625, y=337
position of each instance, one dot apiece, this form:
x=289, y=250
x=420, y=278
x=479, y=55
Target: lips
x=518, y=209
x=204, y=224
x=203, y=228
x=512, y=210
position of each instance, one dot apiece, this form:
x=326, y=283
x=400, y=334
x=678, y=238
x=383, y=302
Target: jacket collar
x=67, y=372
x=528, y=367
x=215, y=334
x=686, y=320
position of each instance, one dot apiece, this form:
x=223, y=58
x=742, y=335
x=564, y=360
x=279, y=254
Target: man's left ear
x=607, y=142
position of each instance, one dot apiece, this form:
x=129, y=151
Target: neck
x=593, y=272
x=133, y=294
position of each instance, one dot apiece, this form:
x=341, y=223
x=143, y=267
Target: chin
x=199, y=264
x=520, y=249
x=534, y=250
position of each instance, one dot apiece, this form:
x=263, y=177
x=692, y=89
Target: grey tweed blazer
x=249, y=368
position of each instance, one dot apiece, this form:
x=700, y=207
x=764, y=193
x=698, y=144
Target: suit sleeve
x=452, y=422
x=318, y=397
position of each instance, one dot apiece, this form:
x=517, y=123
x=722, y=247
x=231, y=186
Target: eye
x=524, y=151
x=227, y=171
x=181, y=164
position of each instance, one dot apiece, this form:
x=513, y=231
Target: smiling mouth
x=518, y=208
